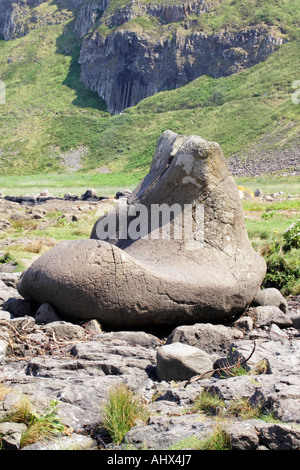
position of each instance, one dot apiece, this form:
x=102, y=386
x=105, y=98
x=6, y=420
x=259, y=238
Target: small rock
x=243, y=436
x=125, y=193
x=19, y=307
x=5, y=315
x=3, y=349
x=245, y=323
x=258, y=193
x=280, y=437
x=66, y=330
x=276, y=332
x=264, y=316
x=210, y=338
x=11, y=434
x=73, y=442
x=90, y=193
x=46, y=314
x=71, y=197
x=93, y=326
x=272, y=297
x=179, y=361
x=295, y=317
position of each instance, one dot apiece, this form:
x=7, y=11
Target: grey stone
x=295, y=317
x=10, y=434
x=280, y=437
x=258, y=193
x=271, y=297
x=4, y=315
x=19, y=307
x=129, y=282
x=275, y=331
x=243, y=436
x=245, y=323
x=266, y=315
x=93, y=327
x=46, y=314
x=65, y=329
x=163, y=432
x=205, y=336
x=73, y=442
x=179, y=361
x=3, y=348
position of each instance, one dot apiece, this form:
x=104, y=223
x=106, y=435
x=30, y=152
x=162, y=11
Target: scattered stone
x=205, y=336
x=65, y=330
x=93, y=327
x=126, y=193
x=71, y=197
x=89, y=194
x=280, y=437
x=243, y=436
x=73, y=442
x=19, y=307
x=245, y=323
x=46, y=314
x=3, y=350
x=270, y=297
x=11, y=434
x=179, y=361
x=264, y=316
x=258, y=193
x=5, y=315
x=274, y=330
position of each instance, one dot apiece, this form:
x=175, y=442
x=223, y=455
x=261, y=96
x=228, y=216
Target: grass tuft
x=121, y=411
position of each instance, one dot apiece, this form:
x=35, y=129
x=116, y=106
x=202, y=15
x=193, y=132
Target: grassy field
x=59, y=184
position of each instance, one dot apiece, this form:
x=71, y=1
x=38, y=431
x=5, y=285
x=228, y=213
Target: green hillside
x=51, y=122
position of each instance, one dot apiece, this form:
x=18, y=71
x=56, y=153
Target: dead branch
x=221, y=369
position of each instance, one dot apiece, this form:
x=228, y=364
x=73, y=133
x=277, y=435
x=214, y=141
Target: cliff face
x=134, y=51
x=13, y=17
x=125, y=67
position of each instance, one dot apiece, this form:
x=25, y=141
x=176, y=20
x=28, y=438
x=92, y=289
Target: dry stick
x=27, y=340
x=221, y=369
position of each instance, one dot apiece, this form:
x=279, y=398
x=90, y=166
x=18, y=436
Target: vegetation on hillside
x=49, y=115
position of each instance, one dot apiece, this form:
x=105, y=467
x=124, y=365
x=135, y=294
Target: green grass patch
x=105, y=184
x=39, y=426
x=121, y=410
x=218, y=439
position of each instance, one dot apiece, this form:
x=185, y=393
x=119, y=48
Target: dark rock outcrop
x=125, y=67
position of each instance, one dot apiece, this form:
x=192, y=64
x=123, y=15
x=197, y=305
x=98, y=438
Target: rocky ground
x=46, y=359
x=76, y=365
x=263, y=158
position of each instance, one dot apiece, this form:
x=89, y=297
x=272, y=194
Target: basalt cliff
x=135, y=50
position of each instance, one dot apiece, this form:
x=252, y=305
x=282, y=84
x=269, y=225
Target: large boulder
x=195, y=267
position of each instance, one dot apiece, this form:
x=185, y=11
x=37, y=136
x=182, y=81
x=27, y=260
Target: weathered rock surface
x=209, y=274
x=46, y=362
x=270, y=297
x=179, y=361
